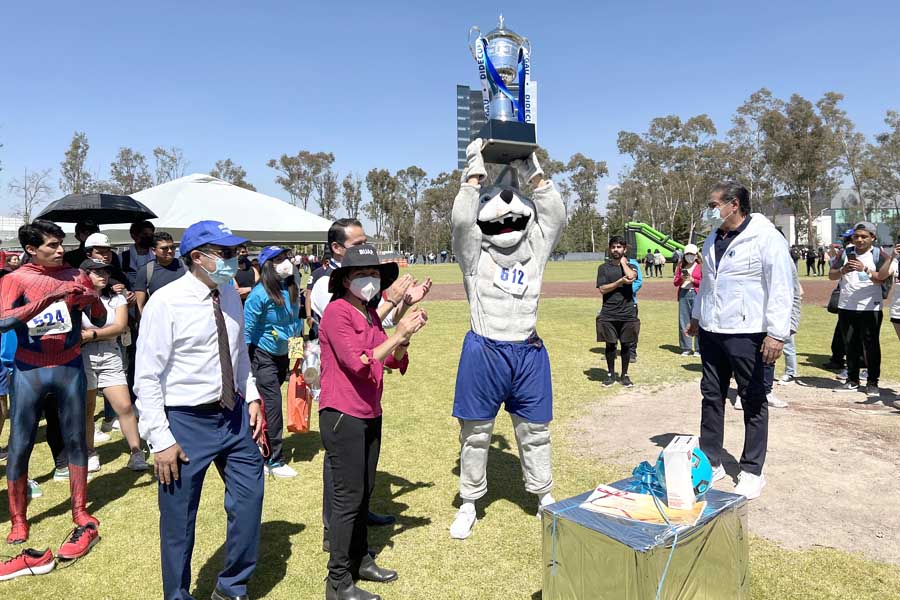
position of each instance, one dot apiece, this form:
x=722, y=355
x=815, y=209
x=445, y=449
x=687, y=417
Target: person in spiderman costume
x=43, y=302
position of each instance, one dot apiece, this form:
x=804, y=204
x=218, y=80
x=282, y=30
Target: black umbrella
x=99, y=208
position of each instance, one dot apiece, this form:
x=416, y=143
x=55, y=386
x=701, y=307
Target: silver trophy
x=510, y=99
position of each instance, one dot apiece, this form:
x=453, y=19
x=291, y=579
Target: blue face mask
x=224, y=271
x=712, y=218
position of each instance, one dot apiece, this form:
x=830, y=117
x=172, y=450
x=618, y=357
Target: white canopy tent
x=198, y=197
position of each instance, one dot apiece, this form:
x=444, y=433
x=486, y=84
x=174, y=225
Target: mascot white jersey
x=503, y=240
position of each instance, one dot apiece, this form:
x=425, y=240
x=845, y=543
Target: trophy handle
x=527, y=44
x=469, y=38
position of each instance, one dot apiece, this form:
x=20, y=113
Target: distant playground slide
x=641, y=237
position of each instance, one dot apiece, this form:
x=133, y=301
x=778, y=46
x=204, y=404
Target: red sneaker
x=29, y=562
x=79, y=543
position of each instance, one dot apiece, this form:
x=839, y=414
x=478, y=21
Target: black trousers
x=724, y=356
x=271, y=371
x=838, y=349
x=860, y=330
x=352, y=447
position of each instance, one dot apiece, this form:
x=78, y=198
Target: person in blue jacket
x=635, y=286
x=8, y=344
x=271, y=317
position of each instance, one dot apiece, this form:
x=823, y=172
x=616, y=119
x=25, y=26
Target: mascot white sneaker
x=503, y=241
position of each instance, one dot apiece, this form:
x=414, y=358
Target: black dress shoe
x=369, y=571
x=220, y=595
x=347, y=591
x=376, y=520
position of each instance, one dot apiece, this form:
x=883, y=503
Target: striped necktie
x=227, y=398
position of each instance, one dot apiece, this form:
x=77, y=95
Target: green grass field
x=417, y=482
x=556, y=271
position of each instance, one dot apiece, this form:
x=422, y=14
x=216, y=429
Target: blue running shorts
x=492, y=373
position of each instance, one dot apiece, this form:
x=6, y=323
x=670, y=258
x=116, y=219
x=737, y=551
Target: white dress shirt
x=177, y=356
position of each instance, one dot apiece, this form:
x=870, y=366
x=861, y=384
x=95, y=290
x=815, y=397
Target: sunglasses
x=225, y=253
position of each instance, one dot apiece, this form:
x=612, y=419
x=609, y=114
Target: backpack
x=149, y=274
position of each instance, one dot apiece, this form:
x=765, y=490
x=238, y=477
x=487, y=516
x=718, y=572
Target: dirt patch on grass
x=832, y=466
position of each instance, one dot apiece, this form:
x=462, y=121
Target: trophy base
x=506, y=141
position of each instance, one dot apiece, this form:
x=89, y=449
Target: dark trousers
x=810, y=268
x=271, y=371
x=212, y=435
x=352, y=447
x=30, y=393
x=838, y=349
x=724, y=356
x=860, y=330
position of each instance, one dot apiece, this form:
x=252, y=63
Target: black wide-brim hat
x=359, y=257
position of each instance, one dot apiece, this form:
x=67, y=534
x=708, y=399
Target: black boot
x=346, y=590
x=369, y=571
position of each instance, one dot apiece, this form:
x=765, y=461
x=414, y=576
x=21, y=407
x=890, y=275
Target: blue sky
x=373, y=82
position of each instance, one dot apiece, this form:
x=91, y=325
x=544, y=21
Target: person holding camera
x=860, y=306
x=688, y=275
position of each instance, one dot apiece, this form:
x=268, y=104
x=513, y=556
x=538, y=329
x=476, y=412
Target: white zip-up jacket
x=752, y=290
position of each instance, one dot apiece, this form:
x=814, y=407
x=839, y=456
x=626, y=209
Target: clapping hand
x=397, y=291
x=416, y=292
x=411, y=323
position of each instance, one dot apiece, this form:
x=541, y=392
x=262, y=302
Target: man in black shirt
x=158, y=273
x=617, y=321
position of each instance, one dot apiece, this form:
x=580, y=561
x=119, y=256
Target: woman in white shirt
x=104, y=367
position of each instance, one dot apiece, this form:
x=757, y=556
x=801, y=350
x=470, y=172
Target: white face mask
x=284, y=269
x=365, y=288
x=690, y=258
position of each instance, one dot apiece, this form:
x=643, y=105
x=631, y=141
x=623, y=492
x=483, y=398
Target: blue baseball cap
x=208, y=232
x=269, y=252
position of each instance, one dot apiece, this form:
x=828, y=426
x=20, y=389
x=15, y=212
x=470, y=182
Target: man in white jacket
x=743, y=317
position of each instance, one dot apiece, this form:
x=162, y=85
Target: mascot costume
x=502, y=241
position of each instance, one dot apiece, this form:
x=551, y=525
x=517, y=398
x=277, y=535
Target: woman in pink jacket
x=687, y=280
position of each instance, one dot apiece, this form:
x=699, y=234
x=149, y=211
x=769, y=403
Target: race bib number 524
x=53, y=319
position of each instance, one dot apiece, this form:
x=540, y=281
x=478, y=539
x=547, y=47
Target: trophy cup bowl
x=506, y=136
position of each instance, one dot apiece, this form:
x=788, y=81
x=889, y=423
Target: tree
x=803, y=156
x=170, y=164
x=233, y=173
x=33, y=189
x=853, y=151
x=382, y=188
x=128, y=173
x=298, y=174
x=328, y=196
x=746, y=149
x=885, y=156
x=351, y=192
x=324, y=182
x=411, y=182
x=74, y=179
x=435, y=225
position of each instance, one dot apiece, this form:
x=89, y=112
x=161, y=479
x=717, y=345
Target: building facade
x=469, y=120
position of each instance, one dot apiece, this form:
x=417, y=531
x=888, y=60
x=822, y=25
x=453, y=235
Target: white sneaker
x=775, y=402
x=686, y=353
x=749, y=485
x=280, y=470
x=719, y=473
x=93, y=463
x=464, y=522
x=101, y=436
x=115, y=425
x=546, y=500
x=786, y=380
x=737, y=404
